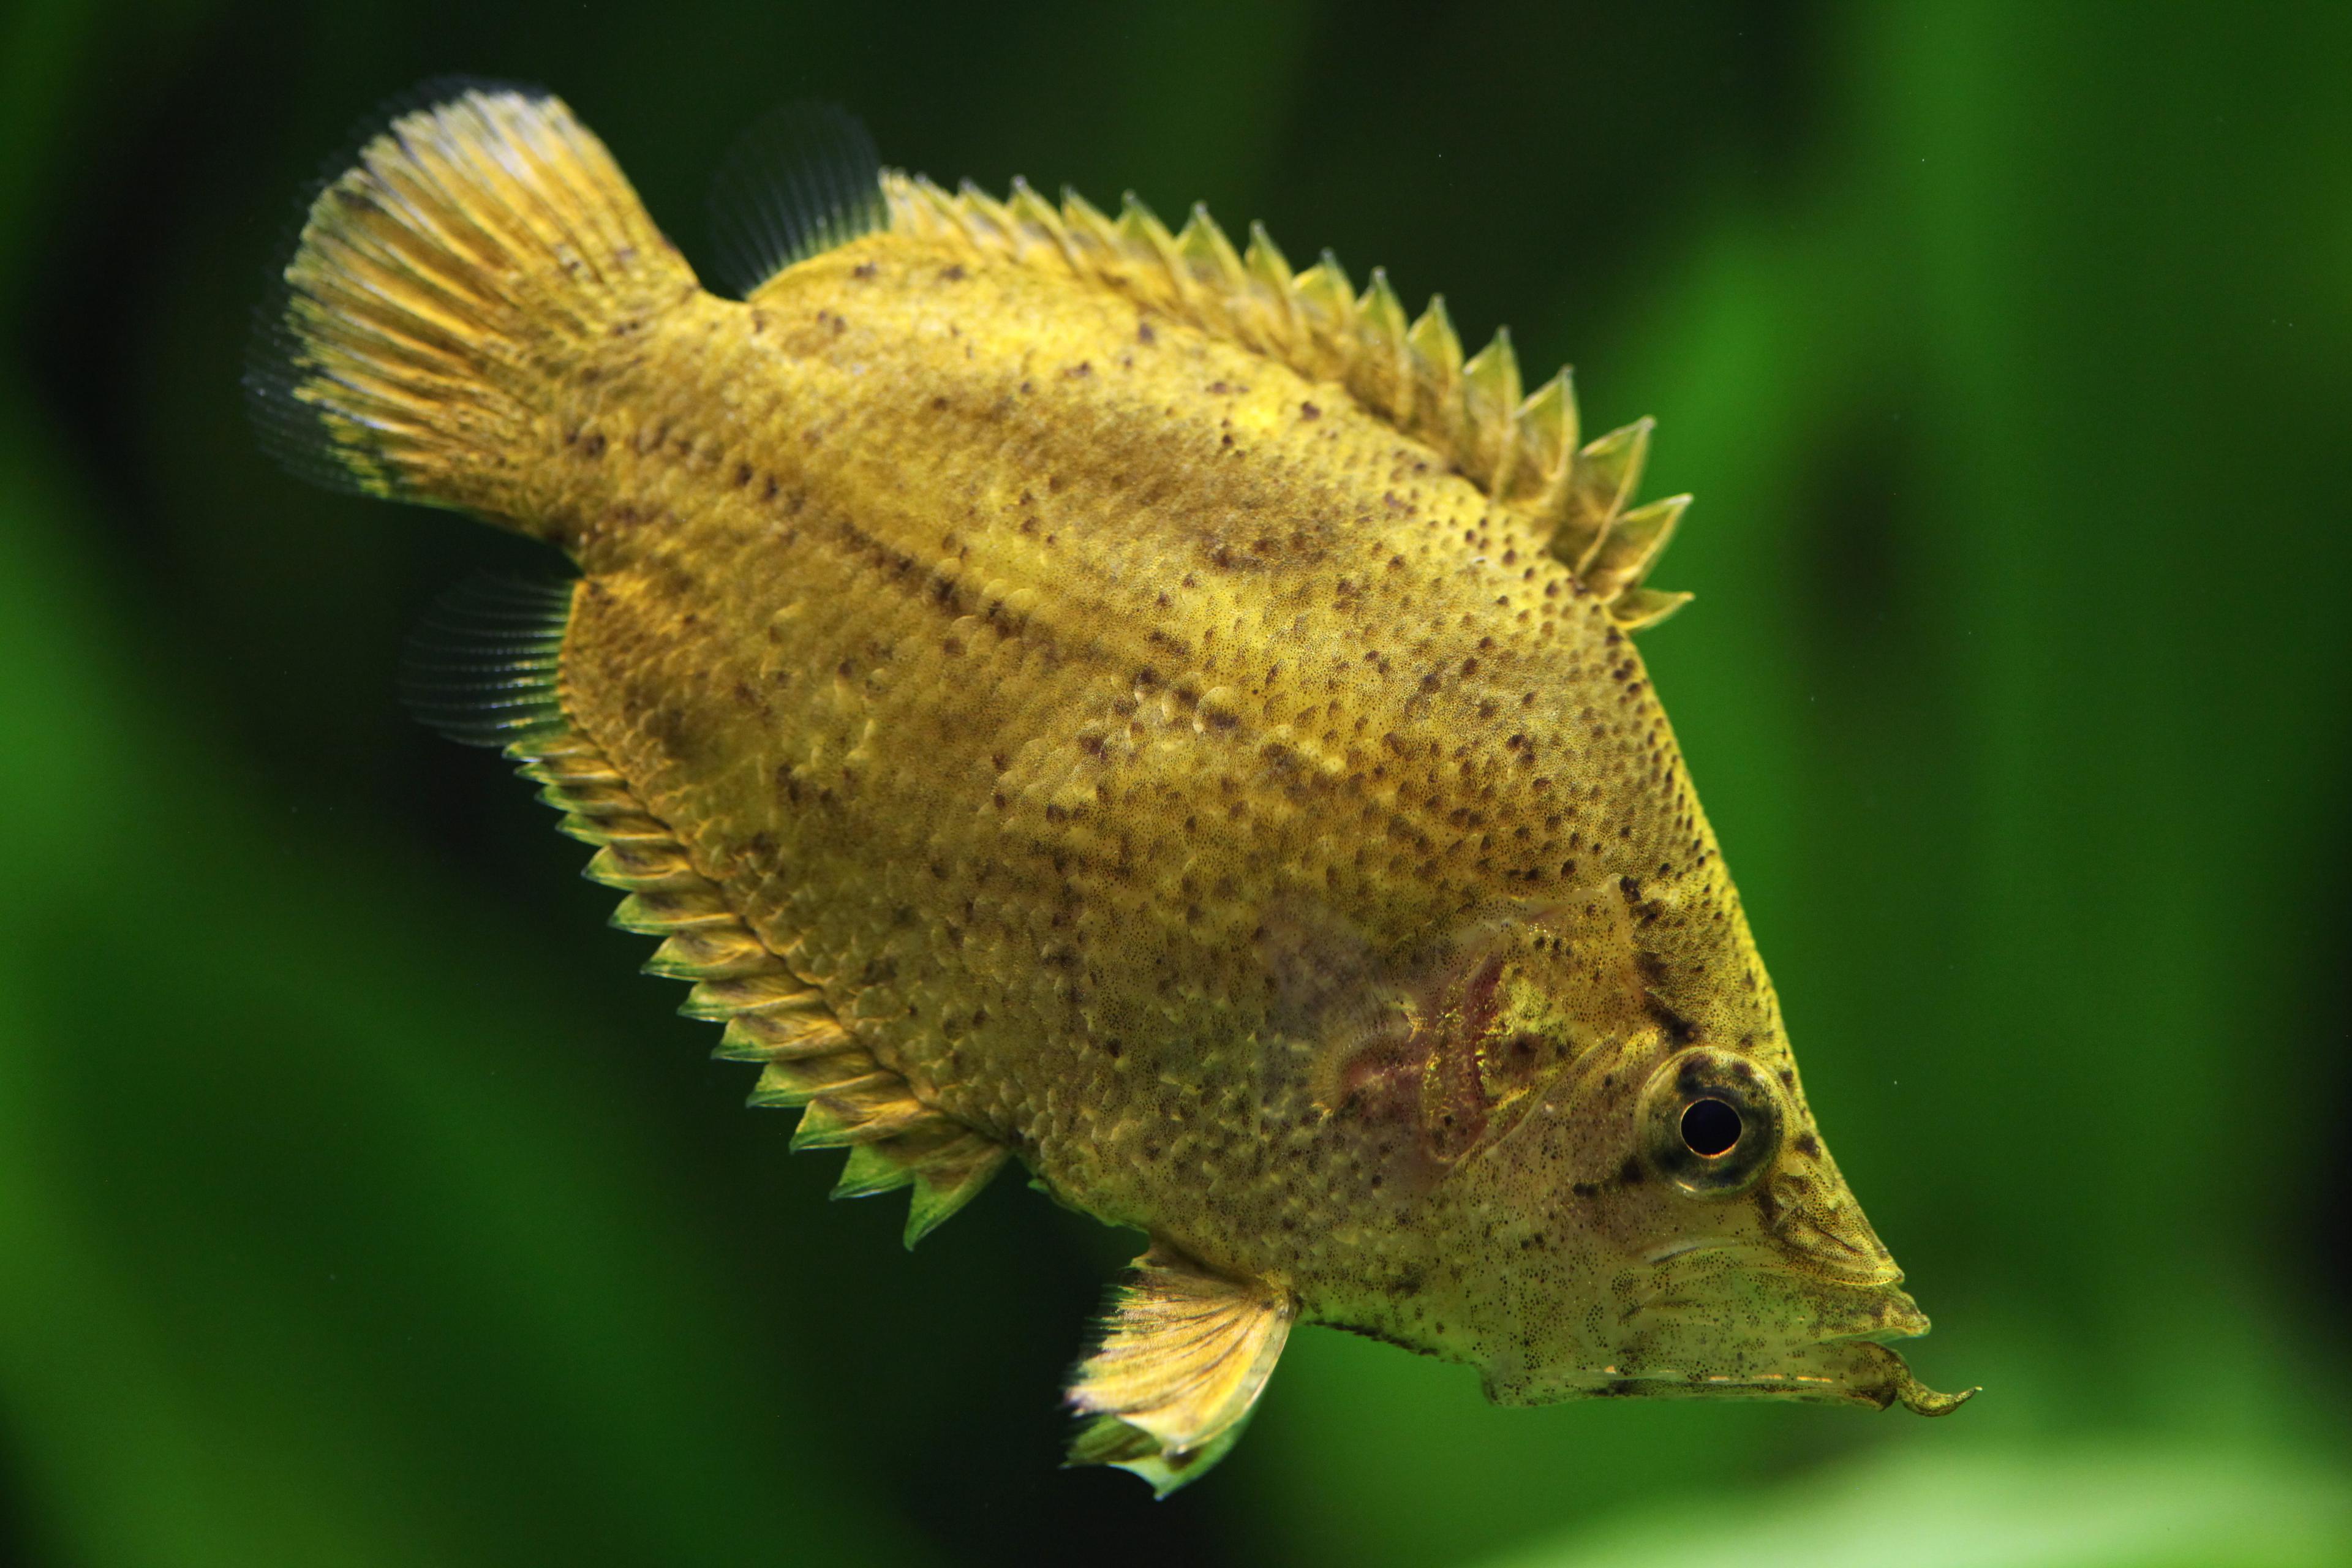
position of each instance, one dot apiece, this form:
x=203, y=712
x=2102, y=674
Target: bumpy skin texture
x=1175, y=766
x=1123, y=731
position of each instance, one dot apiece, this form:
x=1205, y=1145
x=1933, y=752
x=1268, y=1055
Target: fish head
x=1635, y=1198
x=1703, y=1244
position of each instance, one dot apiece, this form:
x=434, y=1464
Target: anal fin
x=1185, y=1354
x=485, y=669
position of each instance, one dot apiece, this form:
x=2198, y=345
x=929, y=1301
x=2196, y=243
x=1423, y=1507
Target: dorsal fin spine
x=1490, y=406
x=988, y=212
x=1270, y=271
x=1607, y=472
x=1434, y=353
x=1522, y=450
x=1144, y=235
x=1215, y=268
x=1327, y=302
x=1094, y=238
x=1546, y=447
x=1036, y=219
x=1632, y=544
x=1384, y=378
x=1638, y=608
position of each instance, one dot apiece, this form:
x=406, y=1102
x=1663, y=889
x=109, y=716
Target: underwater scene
x=1149, y=742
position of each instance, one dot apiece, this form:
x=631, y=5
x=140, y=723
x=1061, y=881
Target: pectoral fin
x=1184, y=1354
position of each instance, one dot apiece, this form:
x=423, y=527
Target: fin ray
x=415, y=338
x=482, y=667
x=1184, y=1354
x=803, y=180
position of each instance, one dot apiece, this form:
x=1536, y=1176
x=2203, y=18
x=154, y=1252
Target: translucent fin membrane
x=803, y=180
x=1521, y=449
x=482, y=667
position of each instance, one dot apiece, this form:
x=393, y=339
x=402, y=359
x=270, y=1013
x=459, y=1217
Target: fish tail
x=447, y=287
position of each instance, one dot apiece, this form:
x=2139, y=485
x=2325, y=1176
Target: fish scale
x=1069, y=691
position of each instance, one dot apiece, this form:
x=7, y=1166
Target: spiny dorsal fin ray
x=484, y=669
x=1605, y=477
x=1639, y=608
x=1184, y=1354
x=1522, y=449
x=802, y=180
x=1634, y=542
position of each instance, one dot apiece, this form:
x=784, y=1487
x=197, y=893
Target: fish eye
x=1709, y=1123
x=1711, y=1128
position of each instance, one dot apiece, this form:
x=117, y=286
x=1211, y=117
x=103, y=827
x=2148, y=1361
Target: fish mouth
x=1865, y=1373
x=1697, y=1334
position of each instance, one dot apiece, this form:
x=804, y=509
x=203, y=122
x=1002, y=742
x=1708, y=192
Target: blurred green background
x=359, y=1202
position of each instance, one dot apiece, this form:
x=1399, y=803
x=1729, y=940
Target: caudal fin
x=446, y=289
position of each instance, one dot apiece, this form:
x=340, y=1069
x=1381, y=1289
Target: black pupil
x=1710, y=1128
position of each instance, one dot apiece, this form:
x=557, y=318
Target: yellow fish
x=1073, y=692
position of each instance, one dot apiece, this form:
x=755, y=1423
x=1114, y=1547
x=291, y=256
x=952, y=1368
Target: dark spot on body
x=1679, y=1030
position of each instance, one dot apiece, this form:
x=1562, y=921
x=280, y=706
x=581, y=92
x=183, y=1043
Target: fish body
x=1074, y=693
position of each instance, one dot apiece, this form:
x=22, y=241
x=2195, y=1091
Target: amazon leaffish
x=1073, y=693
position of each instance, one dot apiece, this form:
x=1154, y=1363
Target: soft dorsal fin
x=1185, y=1354
x=802, y=180
x=482, y=667
x=1521, y=449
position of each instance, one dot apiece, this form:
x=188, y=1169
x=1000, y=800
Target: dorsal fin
x=481, y=665
x=802, y=180
x=1521, y=449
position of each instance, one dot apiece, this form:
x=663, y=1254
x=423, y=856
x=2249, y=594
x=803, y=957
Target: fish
x=1072, y=693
